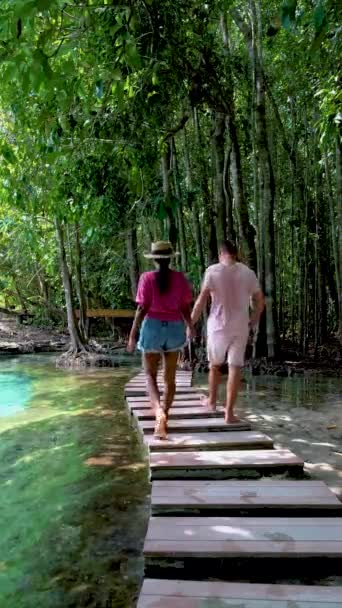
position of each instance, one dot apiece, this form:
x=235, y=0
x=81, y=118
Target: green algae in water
x=74, y=493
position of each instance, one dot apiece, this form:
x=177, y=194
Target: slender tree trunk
x=334, y=242
x=82, y=323
x=180, y=213
x=195, y=211
x=218, y=143
x=166, y=171
x=267, y=187
x=77, y=343
x=246, y=230
x=228, y=193
x=132, y=257
x=208, y=206
x=339, y=219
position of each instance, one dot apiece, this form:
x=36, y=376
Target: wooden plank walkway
x=209, y=441
x=134, y=403
x=200, y=424
x=204, y=464
x=192, y=499
x=158, y=593
x=140, y=390
x=222, y=537
x=246, y=495
x=190, y=400
x=181, y=413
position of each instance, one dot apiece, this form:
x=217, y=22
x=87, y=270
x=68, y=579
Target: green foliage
x=94, y=93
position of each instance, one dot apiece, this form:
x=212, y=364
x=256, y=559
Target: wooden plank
x=243, y=494
x=158, y=593
x=132, y=390
x=179, y=413
x=199, y=424
x=211, y=441
x=135, y=403
x=180, y=400
x=223, y=537
x=107, y=312
x=207, y=464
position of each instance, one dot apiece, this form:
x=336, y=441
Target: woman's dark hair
x=229, y=247
x=163, y=274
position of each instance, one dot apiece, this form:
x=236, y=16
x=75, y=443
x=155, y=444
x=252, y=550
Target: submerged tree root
x=84, y=357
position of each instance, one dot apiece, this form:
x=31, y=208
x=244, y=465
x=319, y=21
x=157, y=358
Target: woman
x=164, y=298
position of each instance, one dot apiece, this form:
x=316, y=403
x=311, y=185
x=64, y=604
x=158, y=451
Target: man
x=233, y=287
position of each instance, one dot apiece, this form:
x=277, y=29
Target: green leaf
x=319, y=16
x=44, y=5
x=117, y=74
x=318, y=39
x=8, y=154
x=23, y=8
x=132, y=55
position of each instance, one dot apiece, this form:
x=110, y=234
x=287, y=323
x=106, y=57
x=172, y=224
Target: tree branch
x=172, y=132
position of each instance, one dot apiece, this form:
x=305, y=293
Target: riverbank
x=24, y=339
x=327, y=361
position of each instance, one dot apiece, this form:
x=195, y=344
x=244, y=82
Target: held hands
x=190, y=332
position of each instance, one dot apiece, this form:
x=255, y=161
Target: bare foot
x=160, y=430
x=231, y=419
x=207, y=404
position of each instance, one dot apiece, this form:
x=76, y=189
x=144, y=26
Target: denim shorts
x=161, y=336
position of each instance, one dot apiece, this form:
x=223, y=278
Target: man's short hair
x=230, y=247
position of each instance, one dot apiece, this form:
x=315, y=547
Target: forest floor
x=19, y=339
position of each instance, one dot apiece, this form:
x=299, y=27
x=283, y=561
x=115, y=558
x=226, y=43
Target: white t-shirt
x=231, y=288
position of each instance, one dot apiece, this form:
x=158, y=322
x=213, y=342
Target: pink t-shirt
x=164, y=306
x=231, y=288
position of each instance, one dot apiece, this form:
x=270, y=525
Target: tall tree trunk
x=180, y=213
x=339, y=217
x=208, y=204
x=253, y=37
x=218, y=143
x=246, y=230
x=82, y=323
x=334, y=242
x=166, y=171
x=228, y=193
x=77, y=343
x=195, y=211
x=132, y=258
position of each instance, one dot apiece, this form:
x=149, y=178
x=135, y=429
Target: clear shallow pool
x=73, y=487
x=15, y=392
x=74, y=482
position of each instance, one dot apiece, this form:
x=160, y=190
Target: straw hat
x=161, y=250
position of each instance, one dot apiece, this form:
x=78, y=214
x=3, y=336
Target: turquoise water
x=15, y=392
x=74, y=481
x=73, y=486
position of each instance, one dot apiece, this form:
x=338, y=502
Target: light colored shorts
x=224, y=348
x=161, y=336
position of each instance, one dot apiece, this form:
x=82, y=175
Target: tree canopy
x=124, y=122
